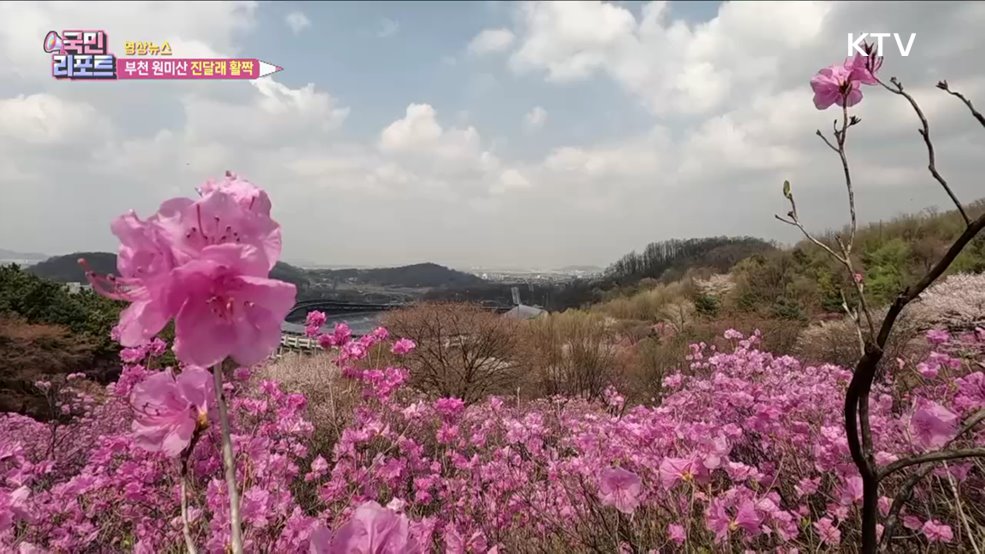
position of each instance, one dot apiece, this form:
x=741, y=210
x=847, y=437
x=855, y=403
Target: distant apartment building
x=76, y=288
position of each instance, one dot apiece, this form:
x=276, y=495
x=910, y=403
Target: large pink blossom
x=226, y=306
x=834, y=85
x=247, y=195
x=373, y=529
x=864, y=67
x=144, y=261
x=933, y=425
x=218, y=218
x=167, y=410
x=13, y=507
x=163, y=262
x=620, y=489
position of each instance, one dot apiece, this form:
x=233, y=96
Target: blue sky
x=425, y=58
x=491, y=134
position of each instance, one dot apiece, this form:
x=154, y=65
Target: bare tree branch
x=931, y=457
x=924, y=131
x=975, y=113
x=907, y=490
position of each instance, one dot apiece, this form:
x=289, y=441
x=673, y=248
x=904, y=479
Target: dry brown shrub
x=463, y=350
x=836, y=342
x=29, y=352
x=575, y=353
x=647, y=304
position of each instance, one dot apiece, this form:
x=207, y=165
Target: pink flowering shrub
x=746, y=451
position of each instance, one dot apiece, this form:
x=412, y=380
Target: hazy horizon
x=485, y=134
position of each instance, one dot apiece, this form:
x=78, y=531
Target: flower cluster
x=746, y=451
x=203, y=263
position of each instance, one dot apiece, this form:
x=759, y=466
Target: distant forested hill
x=669, y=260
x=66, y=269
x=426, y=275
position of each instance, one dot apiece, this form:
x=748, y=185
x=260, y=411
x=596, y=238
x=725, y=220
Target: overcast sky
x=484, y=133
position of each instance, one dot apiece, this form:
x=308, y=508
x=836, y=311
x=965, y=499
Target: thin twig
x=942, y=454
x=931, y=457
x=925, y=133
x=229, y=461
x=848, y=176
x=810, y=237
x=185, y=530
x=975, y=113
x=904, y=495
x=185, y=482
x=957, y=502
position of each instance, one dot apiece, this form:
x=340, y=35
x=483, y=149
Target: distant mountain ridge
x=14, y=255
x=424, y=275
x=66, y=269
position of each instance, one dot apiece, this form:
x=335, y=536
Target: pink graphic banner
x=193, y=68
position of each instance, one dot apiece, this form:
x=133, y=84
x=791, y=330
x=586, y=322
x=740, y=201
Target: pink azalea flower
x=403, y=346
x=449, y=407
x=157, y=347
x=226, y=307
x=933, y=425
x=167, y=410
x=863, y=68
x=218, y=218
x=834, y=85
x=938, y=336
x=313, y=323
x=912, y=522
x=674, y=470
x=852, y=491
x=717, y=519
x=620, y=489
x=144, y=261
x=373, y=529
x=246, y=194
x=935, y=531
x=927, y=371
x=132, y=355
x=748, y=519
x=676, y=533
x=828, y=531
x=13, y=507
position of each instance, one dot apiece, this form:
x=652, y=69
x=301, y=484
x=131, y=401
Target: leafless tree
x=874, y=336
x=463, y=350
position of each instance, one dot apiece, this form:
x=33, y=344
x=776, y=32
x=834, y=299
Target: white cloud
x=535, y=118
x=491, y=40
x=45, y=120
x=297, y=21
x=510, y=180
x=388, y=27
x=275, y=114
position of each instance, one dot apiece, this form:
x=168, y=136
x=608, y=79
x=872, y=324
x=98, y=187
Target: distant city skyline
x=485, y=134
